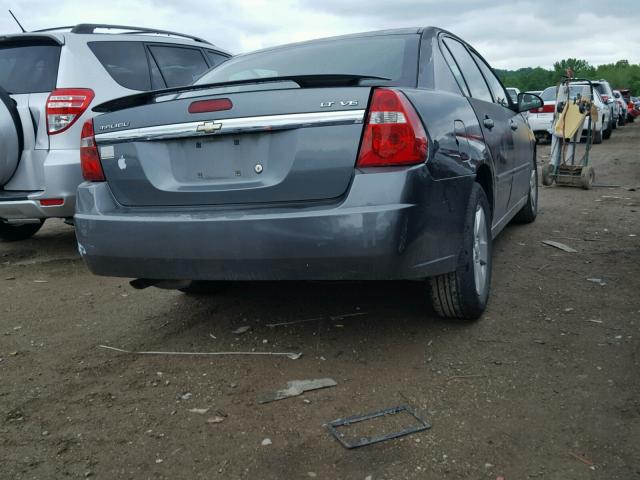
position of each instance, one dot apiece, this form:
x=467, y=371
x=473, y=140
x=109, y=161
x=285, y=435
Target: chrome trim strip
x=232, y=125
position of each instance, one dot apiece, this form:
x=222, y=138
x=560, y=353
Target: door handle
x=513, y=125
x=488, y=123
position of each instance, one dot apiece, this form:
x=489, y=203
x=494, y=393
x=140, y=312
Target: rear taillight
x=89, y=158
x=544, y=109
x=64, y=107
x=393, y=133
x=605, y=98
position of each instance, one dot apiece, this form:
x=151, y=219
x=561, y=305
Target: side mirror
x=528, y=101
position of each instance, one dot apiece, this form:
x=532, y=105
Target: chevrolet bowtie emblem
x=208, y=127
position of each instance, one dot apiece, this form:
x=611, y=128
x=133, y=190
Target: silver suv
x=49, y=80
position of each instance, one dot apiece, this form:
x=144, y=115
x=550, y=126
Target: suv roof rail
x=83, y=28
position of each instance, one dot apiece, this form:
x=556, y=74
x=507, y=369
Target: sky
x=510, y=34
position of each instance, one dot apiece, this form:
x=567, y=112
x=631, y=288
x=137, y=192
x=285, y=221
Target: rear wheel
x=529, y=212
x=606, y=134
x=622, y=119
x=13, y=233
x=597, y=136
x=463, y=294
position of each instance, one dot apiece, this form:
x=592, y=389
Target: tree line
x=621, y=74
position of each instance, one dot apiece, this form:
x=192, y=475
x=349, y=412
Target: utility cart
x=575, y=113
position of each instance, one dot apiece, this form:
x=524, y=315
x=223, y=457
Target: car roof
x=373, y=33
x=85, y=32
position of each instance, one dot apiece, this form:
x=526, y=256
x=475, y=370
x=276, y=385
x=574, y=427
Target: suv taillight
x=393, y=133
x=64, y=107
x=605, y=98
x=89, y=158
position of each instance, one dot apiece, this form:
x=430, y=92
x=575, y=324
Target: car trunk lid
x=276, y=143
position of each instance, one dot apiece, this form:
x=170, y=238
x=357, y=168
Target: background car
x=622, y=106
x=606, y=93
x=352, y=158
x=540, y=119
x=48, y=82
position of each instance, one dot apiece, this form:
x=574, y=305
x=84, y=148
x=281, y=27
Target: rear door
x=28, y=73
x=494, y=120
x=523, y=150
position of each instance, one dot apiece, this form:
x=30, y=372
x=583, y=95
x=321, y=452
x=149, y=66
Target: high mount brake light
x=215, y=105
x=393, y=133
x=64, y=107
x=89, y=157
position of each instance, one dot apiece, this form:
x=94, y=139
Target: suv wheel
x=597, y=136
x=606, y=134
x=13, y=233
x=463, y=294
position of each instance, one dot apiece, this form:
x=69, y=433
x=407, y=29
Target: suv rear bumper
x=60, y=174
x=360, y=238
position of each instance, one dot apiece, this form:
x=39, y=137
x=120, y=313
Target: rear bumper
x=55, y=178
x=540, y=122
x=400, y=234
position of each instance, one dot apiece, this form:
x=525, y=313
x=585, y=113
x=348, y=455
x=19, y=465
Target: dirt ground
x=546, y=385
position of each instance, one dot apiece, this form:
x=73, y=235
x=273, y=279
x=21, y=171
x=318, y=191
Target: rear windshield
x=392, y=57
x=29, y=68
x=549, y=94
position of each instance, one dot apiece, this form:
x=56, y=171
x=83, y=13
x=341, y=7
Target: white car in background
x=541, y=119
x=622, y=117
x=606, y=92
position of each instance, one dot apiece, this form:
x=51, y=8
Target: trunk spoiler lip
x=304, y=81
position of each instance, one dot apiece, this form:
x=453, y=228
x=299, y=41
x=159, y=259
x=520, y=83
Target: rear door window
x=470, y=70
x=126, y=62
x=179, y=65
x=455, y=70
x=497, y=90
x=28, y=68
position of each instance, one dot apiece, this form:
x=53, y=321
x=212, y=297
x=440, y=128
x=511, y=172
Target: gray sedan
x=385, y=155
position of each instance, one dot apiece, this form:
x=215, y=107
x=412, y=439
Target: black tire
x=587, y=177
x=622, y=120
x=606, y=134
x=201, y=287
x=547, y=179
x=529, y=212
x=454, y=294
x=14, y=233
x=597, y=137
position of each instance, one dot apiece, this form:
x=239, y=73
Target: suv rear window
x=126, y=62
x=394, y=57
x=29, y=68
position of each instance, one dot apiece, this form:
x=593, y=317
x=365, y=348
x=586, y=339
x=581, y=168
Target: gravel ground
x=545, y=385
